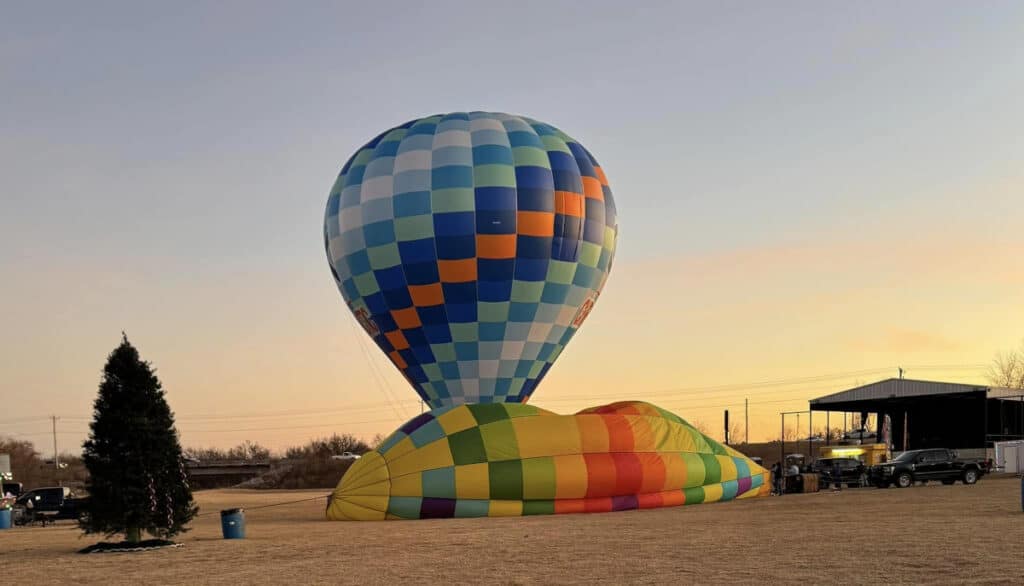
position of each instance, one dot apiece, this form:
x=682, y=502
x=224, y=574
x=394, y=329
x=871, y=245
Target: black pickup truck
x=47, y=504
x=925, y=465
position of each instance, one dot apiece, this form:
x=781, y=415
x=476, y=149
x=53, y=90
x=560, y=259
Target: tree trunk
x=133, y=535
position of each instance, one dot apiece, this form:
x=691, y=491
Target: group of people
x=779, y=478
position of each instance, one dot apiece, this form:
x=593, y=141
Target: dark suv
x=852, y=472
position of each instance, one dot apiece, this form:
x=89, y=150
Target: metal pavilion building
x=927, y=414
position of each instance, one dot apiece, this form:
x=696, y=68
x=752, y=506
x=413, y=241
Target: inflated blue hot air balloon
x=471, y=247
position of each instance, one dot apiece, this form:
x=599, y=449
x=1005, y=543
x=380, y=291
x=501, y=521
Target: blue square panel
x=461, y=312
x=437, y=334
x=493, y=291
x=459, y=292
x=466, y=351
x=528, y=269
x=422, y=273
x=455, y=224
x=456, y=247
x=495, y=269
x=496, y=198
x=390, y=278
x=413, y=251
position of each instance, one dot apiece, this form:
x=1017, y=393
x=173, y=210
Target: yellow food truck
x=869, y=454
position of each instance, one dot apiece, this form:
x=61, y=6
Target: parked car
x=47, y=504
x=346, y=456
x=852, y=472
x=925, y=465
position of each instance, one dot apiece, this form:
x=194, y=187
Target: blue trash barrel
x=232, y=522
x=5, y=518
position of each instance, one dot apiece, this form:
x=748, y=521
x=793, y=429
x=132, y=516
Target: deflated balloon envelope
x=471, y=247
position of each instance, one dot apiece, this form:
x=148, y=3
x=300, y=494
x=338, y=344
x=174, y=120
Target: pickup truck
x=46, y=505
x=925, y=465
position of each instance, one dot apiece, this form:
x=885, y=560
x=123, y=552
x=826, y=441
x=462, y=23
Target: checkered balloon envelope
x=471, y=247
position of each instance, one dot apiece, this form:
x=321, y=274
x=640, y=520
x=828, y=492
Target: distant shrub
x=313, y=472
x=247, y=451
x=324, y=448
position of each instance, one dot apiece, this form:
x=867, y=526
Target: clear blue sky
x=165, y=167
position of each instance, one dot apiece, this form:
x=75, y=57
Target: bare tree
x=736, y=433
x=377, y=441
x=1007, y=369
x=699, y=426
x=831, y=434
x=790, y=433
x=248, y=451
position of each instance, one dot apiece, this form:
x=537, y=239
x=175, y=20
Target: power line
x=316, y=425
x=271, y=414
x=750, y=388
x=275, y=415
x=676, y=397
x=23, y=420
x=765, y=384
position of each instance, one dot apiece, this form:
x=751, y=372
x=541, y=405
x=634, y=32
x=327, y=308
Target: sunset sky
x=810, y=195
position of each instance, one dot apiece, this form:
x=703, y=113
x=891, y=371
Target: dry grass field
x=930, y=534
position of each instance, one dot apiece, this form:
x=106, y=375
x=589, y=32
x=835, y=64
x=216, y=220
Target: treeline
x=249, y=451
x=305, y=466
x=32, y=470
x=246, y=451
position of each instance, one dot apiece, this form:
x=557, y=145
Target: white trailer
x=1010, y=456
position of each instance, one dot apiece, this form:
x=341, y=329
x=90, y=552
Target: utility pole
x=746, y=417
x=56, y=461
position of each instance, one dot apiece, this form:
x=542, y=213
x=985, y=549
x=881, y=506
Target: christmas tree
x=136, y=473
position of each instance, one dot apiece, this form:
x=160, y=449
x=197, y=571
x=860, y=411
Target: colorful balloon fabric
x=494, y=460
x=471, y=247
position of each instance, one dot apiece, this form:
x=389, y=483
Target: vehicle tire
x=948, y=482
x=904, y=480
x=970, y=476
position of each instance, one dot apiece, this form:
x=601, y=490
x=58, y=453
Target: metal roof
x=893, y=388
x=1005, y=393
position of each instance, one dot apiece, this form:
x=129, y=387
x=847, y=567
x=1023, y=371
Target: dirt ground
x=926, y=534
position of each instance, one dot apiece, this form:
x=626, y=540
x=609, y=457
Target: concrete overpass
x=223, y=474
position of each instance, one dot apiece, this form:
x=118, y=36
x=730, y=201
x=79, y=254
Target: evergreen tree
x=136, y=473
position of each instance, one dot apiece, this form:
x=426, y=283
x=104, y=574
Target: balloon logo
x=471, y=247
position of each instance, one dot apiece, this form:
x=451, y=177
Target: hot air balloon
x=502, y=460
x=471, y=247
